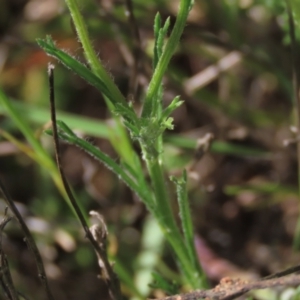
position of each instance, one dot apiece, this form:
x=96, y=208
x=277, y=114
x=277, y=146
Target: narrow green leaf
x=157, y=27
x=49, y=47
x=187, y=224
x=142, y=191
x=161, y=37
x=184, y=212
x=173, y=105
x=61, y=126
x=90, y=54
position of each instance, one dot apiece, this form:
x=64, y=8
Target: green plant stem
x=165, y=217
x=163, y=211
x=90, y=54
x=165, y=58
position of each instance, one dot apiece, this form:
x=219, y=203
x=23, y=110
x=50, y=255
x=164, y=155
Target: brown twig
x=230, y=289
x=29, y=240
x=286, y=272
x=111, y=280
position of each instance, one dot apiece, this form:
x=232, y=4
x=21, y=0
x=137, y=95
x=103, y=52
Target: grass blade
x=187, y=225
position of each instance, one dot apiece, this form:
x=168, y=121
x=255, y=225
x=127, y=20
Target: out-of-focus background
x=233, y=69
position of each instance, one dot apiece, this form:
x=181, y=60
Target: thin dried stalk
x=111, y=280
